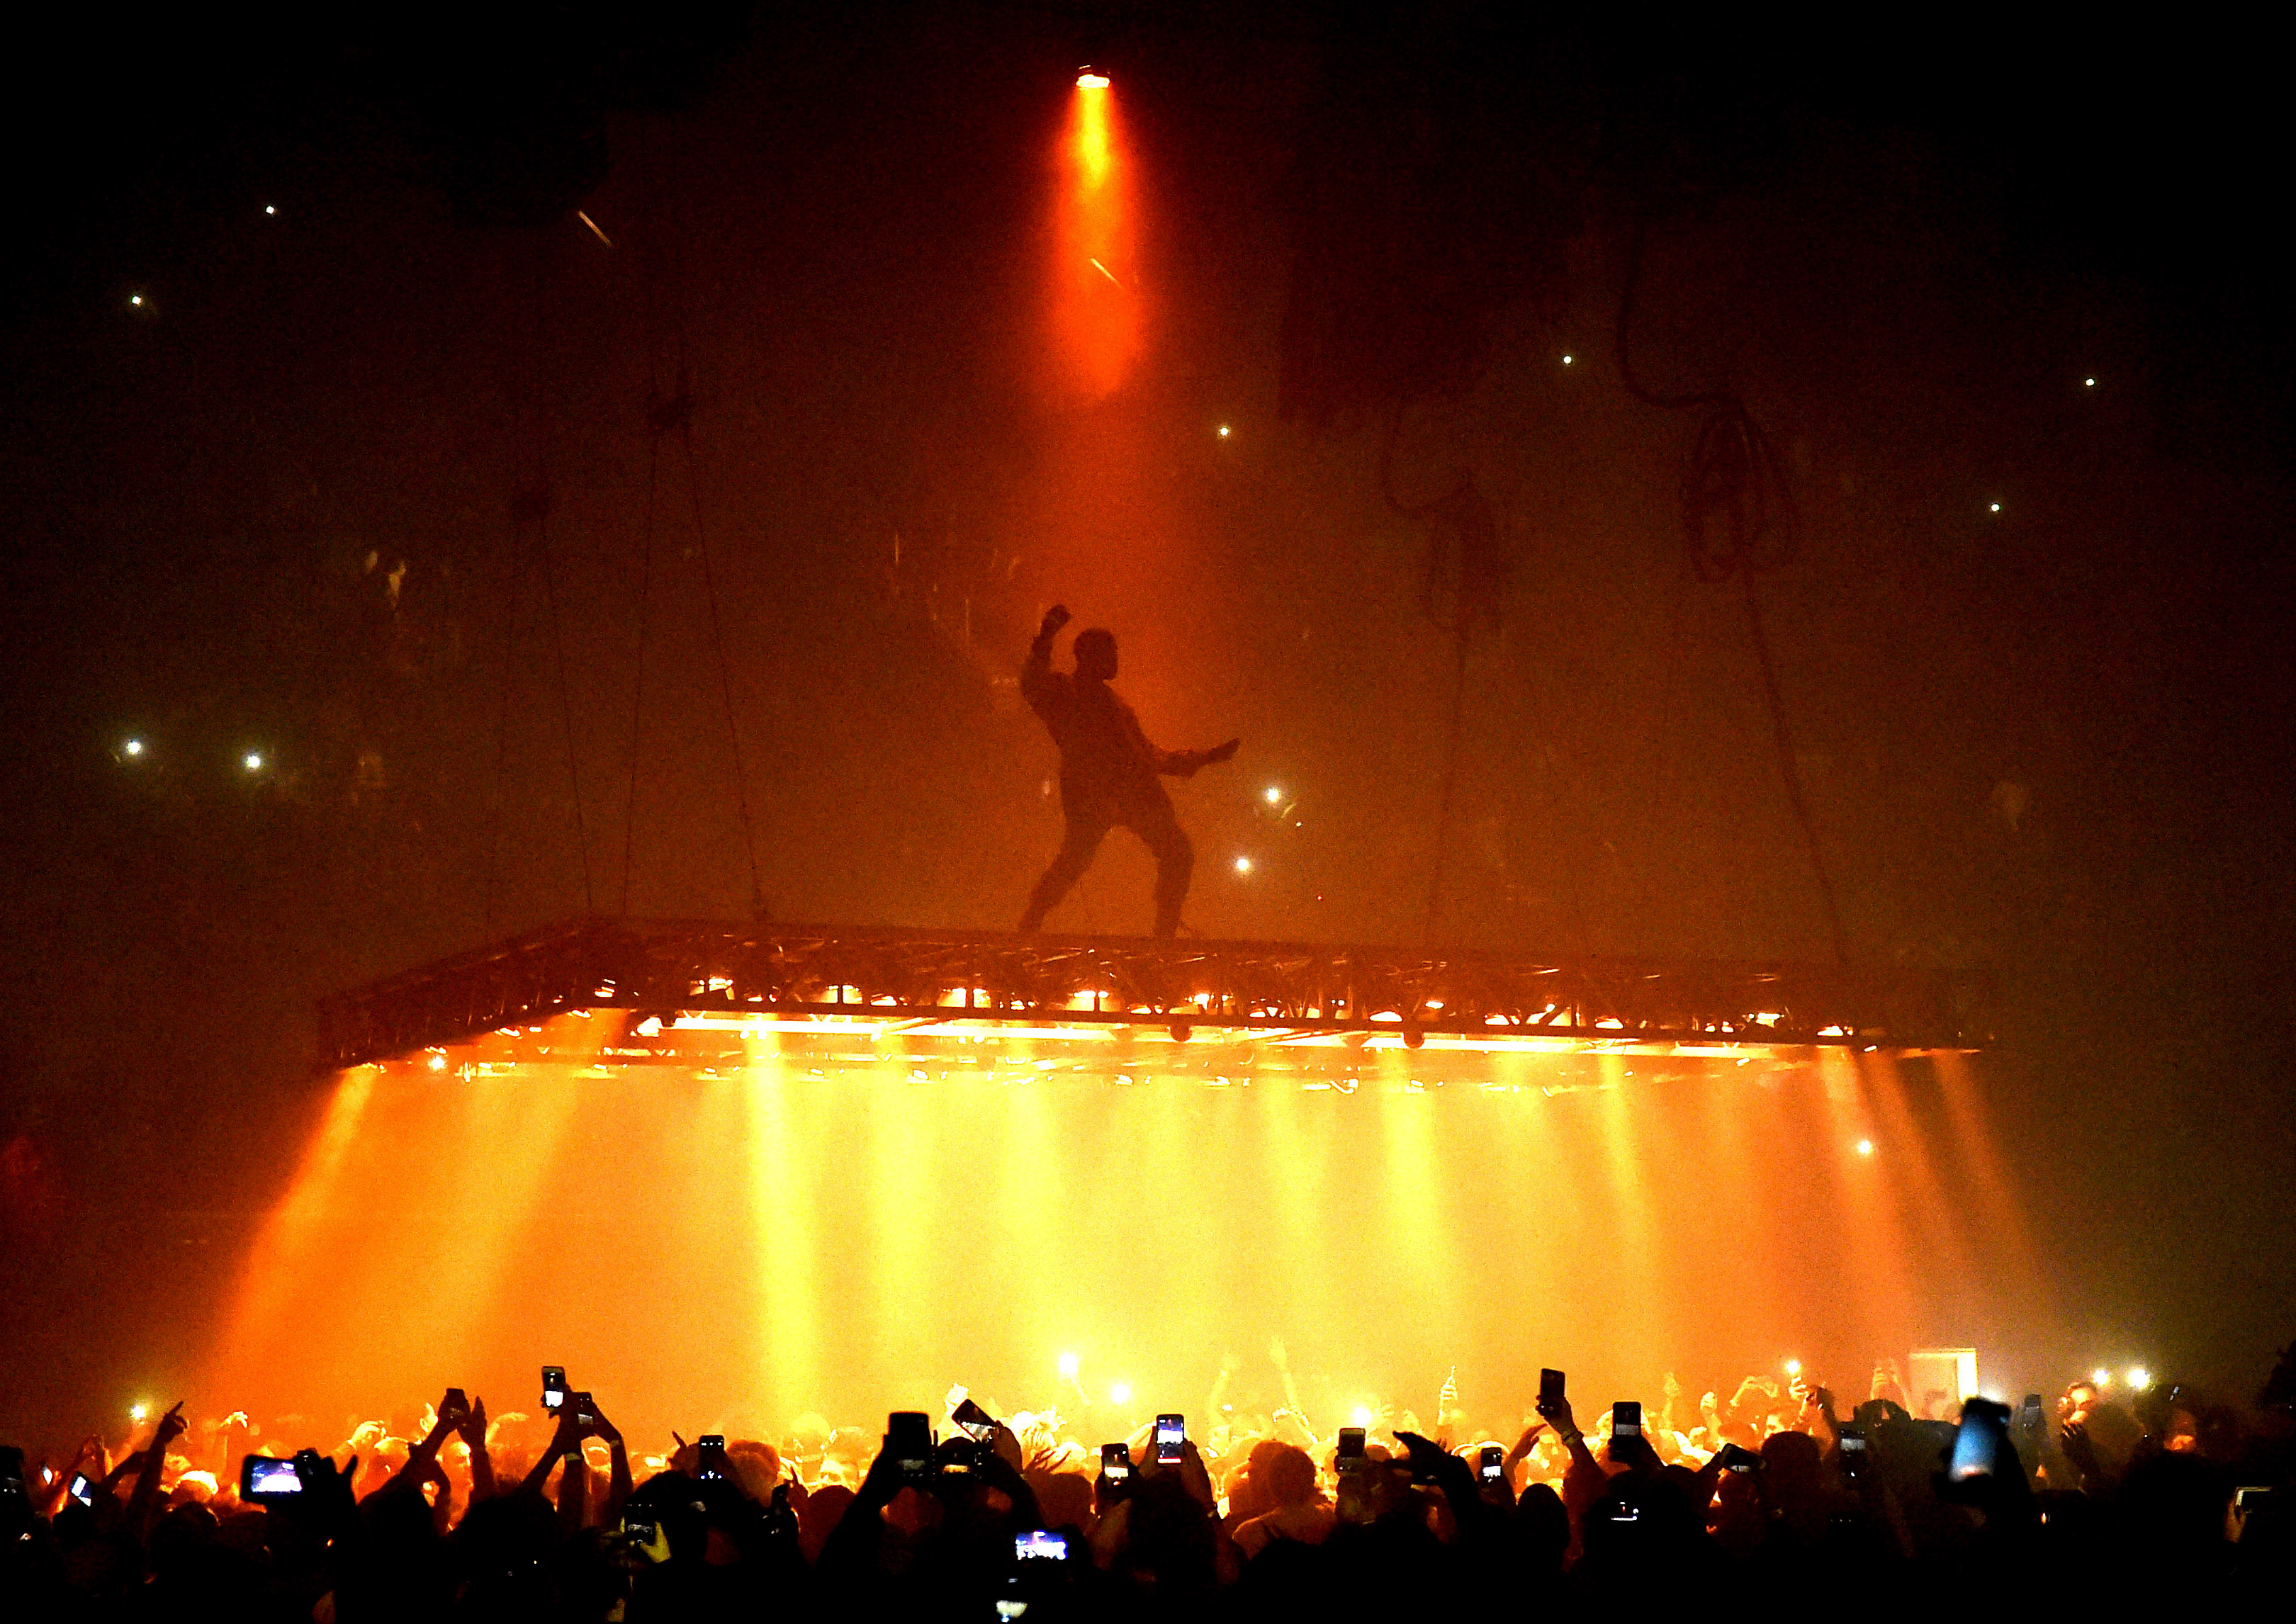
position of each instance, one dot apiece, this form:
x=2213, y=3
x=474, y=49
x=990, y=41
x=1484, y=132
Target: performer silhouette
x=1108, y=772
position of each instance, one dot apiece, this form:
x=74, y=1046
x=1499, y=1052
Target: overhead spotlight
x=1794, y=1368
x=1088, y=79
x=437, y=1062
x=136, y=300
x=1362, y=1416
x=1865, y=1147
x=134, y=747
x=2139, y=1378
x=1566, y=360
x=252, y=761
x=1993, y=507
x=1274, y=796
x=270, y=208
x=1121, y=1393
x=2100, y=1378
x=1223, y=431
x=137, y=1411
x=1243, y=865
x=1068, y=1368
x=2089, y=383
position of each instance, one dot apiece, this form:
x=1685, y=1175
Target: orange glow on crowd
x=845, y=1218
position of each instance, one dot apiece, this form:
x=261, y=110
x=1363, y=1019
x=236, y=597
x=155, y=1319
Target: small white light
x=1121, y=1393
x=1275, y=796
x=252, y=761
x=134, y=747
x=1865, y=1147
x=137, y=1411
x=1794, y=1368
x=1361, y=1417
x=2139, y=1378
x=2089, y=383
x=1993, y=507
x=1243, y=865
x=136, y=300
x=1566, y=360
x=1089, y=80
x=438, y=1062
x=1223, y=431
x=1068, y=1368
x=2100, y=1378
x=270, y=208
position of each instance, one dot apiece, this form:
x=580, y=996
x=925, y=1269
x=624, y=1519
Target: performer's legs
x=1078, y=849
x=1175, y=859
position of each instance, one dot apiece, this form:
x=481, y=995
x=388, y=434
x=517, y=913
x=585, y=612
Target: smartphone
x=585, y=1410
x=554, y=1387
x=638, y=1527
x=1492, y=1463
x=1980, y=1441
x=454, y=1405
x=1040, y=1543
x=1171, y=1432
x=1116, y=1462
x=82, y=1488
x=1737, y=1457
x=1627, y=1419
x=1550, y=1387
x=977, y=1423
x=1350, y=1455
x=2030, y=1414
x=709, y=1449
x=909, y=1440
x=264, y=1478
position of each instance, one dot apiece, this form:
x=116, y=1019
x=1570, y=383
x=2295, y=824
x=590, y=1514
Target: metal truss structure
x=800, y=973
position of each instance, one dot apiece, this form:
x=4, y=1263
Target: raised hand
x=172, y=1426
x=1056, y=618
x=1275, y=1352
x=1673, y=1388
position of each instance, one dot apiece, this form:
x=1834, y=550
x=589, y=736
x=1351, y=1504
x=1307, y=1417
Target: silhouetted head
x=1095, y=654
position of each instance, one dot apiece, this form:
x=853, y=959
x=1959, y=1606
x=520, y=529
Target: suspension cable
x=758, y=909
x=1738, y=519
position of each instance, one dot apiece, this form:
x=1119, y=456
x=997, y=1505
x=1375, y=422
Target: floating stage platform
x=702, y=993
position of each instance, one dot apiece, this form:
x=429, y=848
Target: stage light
x=137, y=1411
x=135, y=299
x=2089, y=383
x=2139, y=1378
x=1243, y=865
x=134, y=747
x=252, y=761
x=1275, y=796
x=1566, y=360
x=1794, y=1368
x=1223, y=431
x=1362, y=1416
x=1121, y=1393
x=270, y=208
x=1068, y=1368
x=1993, y=507
x=1089, y=80
x=438, y=1062
x=2100, y=1378
x=1865, y=1147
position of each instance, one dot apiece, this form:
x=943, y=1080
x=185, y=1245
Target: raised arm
x=1037, y=670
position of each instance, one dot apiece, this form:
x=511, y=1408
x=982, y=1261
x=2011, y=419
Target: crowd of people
x=1780, y=1495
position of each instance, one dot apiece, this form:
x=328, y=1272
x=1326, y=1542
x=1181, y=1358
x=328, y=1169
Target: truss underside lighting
x=714, y=996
